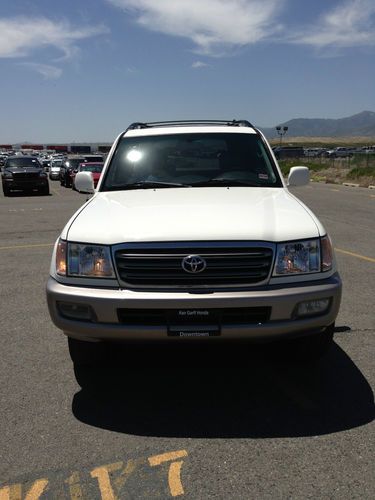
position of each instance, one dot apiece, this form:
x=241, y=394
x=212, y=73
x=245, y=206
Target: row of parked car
x=65, y=170
x=283, y=152
x=30, y=173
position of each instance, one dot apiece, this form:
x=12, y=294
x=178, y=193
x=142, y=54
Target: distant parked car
x=94, y=167
x=66, y=170
x=2, y=160
x=54, y=171
x=24, y=173
x=46, y=164
x=339, y=152
x=282, y=152
x=313, y=152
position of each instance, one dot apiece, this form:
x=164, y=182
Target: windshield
x=74, y=162
x=93, y=158
x=56, y=163
x=91, y=168
x=23, y=163
x=200, y=159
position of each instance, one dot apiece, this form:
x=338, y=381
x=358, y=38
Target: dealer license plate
x=190, y=323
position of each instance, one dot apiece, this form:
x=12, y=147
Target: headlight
x=297, y=257
x=7, y=175
x=83, y=260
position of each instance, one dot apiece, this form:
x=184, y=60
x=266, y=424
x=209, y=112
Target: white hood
x=193, y=214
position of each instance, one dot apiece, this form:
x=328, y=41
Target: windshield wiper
x=145, y=185
x=225, y=182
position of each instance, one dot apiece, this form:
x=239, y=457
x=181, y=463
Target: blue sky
x=82, y=70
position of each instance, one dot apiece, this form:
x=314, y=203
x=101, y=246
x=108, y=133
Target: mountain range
x=361, y=124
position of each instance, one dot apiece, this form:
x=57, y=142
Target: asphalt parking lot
x=229, y=422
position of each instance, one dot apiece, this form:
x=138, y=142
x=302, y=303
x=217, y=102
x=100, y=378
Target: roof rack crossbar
x=181, y=123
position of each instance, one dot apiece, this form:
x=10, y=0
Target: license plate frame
x=190, y=323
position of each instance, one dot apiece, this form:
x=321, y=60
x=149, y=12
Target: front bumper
x=54, y=175
x=105, y=303
x=25, y=183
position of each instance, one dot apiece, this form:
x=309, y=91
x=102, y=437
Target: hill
x=361, y=124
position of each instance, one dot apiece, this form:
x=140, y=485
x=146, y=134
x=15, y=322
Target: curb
x=371, y=187
x=350, y=184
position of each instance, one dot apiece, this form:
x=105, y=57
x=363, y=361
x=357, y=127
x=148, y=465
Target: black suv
x=24, y=173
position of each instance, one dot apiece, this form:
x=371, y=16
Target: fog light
x=75, y=311
x=312, y=307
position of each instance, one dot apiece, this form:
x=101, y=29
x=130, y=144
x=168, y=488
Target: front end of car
x=258, y=291
x=24, y=180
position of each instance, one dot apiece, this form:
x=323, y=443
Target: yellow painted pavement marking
x=102, y=475
x=129, y=469
x=335, y=190
x=56, y=192
x=174, y=473
x=14, y=491
x=166, y=457
x=174, y=479
x=37, y=245
x=75, y=489
x=357, y=255
x=110, y=479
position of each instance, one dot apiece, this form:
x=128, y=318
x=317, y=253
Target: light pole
x=281, y=131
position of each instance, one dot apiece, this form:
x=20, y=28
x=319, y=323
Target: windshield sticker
x=263, y=176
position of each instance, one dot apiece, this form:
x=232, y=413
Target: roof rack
x=184, y=123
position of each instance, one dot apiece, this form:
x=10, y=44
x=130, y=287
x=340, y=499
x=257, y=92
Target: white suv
x=193, y=233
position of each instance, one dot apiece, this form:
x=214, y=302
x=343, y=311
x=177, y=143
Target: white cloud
x=214, y=26
x=20, y=35
x=199, y=64
x=350, y=24
x=47, y=71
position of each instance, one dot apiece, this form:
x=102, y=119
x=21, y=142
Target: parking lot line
x=27, y=246
x=357, y=255
x=109, y=479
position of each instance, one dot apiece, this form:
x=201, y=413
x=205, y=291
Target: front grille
x=224, y=317
x=25, y=175
x=226, y=265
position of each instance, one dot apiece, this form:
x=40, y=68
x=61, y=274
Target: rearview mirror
x=298, y=176
x=84, y=183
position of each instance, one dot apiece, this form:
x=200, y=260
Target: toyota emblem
x=193, y=264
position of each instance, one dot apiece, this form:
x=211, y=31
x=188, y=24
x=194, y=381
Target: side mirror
x=84, y=183
x=298, y=176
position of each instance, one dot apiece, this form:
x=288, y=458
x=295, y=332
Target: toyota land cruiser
x=193, y=233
